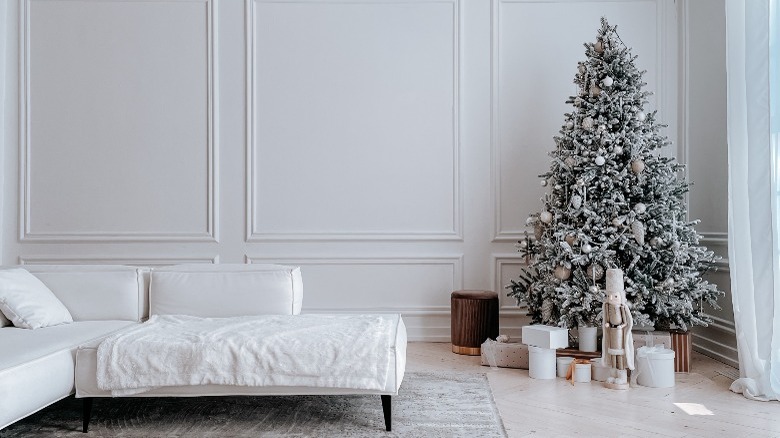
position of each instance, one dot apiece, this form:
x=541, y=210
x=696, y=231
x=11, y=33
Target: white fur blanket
x=334, y=351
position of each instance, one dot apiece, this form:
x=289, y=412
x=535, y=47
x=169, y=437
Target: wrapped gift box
x=645, y=338
x=545, y=336
x=505, y=354
x=683, y=349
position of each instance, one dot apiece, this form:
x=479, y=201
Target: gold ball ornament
x=562, y=273
x=595, y=272
x=637, y=166
x=570, y=238
x=594, y=90
x=599, y=46
x=538, y=230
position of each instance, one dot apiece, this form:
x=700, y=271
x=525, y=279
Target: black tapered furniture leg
x=86, y=414
x=387, y=410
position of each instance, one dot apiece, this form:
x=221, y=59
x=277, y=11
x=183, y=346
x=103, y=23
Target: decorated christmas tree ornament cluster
x=613, y=202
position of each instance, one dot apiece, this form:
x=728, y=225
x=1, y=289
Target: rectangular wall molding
x=446, y=226
x=28, y=230
x=114, y=260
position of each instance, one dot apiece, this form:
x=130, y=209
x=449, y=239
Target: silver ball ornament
x=640, y=208
x=607, y=81
x=586, y=248
x=546, y=216
x=617, y=150
x=593, y=289
x=600, y=160
x=641, y=116
x=543, y=183
x=587, y=123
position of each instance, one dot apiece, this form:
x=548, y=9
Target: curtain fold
x=753, y=191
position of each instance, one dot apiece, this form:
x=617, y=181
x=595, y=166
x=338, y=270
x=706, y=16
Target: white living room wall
x=390, y=148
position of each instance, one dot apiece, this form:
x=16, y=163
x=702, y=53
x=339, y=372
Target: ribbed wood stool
x=474, y=318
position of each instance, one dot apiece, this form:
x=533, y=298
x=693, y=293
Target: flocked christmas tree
x=613, y=202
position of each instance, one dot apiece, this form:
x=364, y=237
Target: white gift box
x=650, y=338
x=654, y=367
x=545, y=336
x=504, y=354
x=541, y=363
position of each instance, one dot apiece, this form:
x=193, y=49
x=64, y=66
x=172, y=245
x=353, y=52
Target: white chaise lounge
x=223, y=291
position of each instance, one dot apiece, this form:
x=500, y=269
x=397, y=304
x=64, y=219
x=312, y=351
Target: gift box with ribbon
x=651, y=338
x=504, y=354
x=654, y=367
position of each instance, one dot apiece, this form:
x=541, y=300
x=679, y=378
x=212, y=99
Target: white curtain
x=753, y=192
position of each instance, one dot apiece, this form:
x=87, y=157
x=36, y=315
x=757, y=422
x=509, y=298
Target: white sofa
x=37, y=366
x=103, y=300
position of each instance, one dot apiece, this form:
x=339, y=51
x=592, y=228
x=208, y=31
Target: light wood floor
x=700, y=404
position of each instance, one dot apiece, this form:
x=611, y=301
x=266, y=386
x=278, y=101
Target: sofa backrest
x=96, y=292
x=225, y=290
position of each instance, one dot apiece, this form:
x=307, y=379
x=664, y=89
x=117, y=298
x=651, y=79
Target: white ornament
x=600, y=160
x=641, y=116
x=576, y=201
x=617, y=150
x=530, y=220
x=656, y=242
x=638, y=229
x=593, y=289
x=562, y=272
x=640, y=208
x=581, y=68
x=523, y=244
x=546, y=217
x=617, y=222
x=587, y=123
x=669, y=282
x=637, y=166
x=607, y=81
x=569, y=124
x=586, y=248
x=543, y=183
x=676, y=246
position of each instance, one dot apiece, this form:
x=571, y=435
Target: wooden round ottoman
x=474, y=318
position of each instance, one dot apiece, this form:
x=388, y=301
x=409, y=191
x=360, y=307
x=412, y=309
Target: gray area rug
x=428, y=405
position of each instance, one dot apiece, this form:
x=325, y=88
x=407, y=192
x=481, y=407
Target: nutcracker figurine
x=617, y=351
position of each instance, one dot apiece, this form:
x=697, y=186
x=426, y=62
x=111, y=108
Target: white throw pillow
x=28, y=303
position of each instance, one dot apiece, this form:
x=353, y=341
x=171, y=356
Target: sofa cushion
x=37, y=366
x=225, y=290
x=108, y=292
x=28, y=303
x=19, y=346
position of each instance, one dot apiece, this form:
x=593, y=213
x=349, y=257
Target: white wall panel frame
x=665, y=66
x=114, y=260
x=26, y=234
x=254, y=233
x=499, y=262
x=423, y=323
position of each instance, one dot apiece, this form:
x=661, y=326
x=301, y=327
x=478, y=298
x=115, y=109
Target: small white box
x=541, y=363
x=545, y=336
